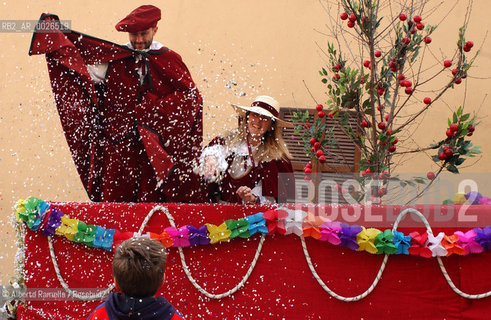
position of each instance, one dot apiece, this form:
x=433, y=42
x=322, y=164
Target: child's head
x=138, y=266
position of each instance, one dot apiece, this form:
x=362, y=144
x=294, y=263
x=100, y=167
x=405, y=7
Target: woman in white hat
x=250, y=165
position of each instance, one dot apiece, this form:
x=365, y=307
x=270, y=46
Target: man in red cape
x=131, y=114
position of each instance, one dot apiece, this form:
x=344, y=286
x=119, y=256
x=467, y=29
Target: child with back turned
x=138, y=272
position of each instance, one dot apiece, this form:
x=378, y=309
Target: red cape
x=130, y=142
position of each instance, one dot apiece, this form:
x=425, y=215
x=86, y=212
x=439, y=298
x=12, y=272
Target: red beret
x=140, y=19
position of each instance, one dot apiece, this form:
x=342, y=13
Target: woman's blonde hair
x=273, y=147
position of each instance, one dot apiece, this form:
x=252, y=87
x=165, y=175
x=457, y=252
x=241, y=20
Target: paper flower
x=218, y=233
x=179, y=237
x=347, y=235
x=103, y=238
x=468, y=243
x=32, y=212
x=85, y=233
x=483, y=237
x=419, y=245
x=294, y=221
x=435, y=245
x=68, y=227
x=311, y=226
x=238, y=228
x=275, y=220
x=329, y=232
x=459, y=198
x=401, y=242
x=54, y=221
x=366, y=239
x=20, y=210
x=198, y=236
x=384, y=242
x=257, y=224
x=473, y=197
x=120, y=237
x=163, y=238
x=450, y=244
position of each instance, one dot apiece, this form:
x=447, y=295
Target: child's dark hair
x=138, y=266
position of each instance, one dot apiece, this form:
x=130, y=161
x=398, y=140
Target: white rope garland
x=73, y=293
x=384, y=262
x=329, y=290
x=165, y=210
x=440, y=262
x=193, y=281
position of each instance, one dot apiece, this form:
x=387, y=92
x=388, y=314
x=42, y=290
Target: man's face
x=143, y=39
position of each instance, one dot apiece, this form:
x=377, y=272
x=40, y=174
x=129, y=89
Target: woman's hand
x=245, y=193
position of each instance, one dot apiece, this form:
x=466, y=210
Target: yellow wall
x=264, y=47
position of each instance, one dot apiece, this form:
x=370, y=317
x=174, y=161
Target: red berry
x=367, y=172
x=381, y=125
x=454, y=127
x=427, y=40
x=394, y=142
x=467, y=49
x=319, y=107
x=351, y=24
x=448, y=153
x=447, y=63
x=449, y=133
x=400, y=77
x=378, y=54
x=317, y=145
x=389, y=132
x=313, y=149
x=469, y=44
x=386, y=117
x=307, y=178
x=380, y=107
x=319, y=153
x=344, y=16
x=322, y=159
x=455, y=71
x=337, y=67
x=336, y=77
x=364, y=124
x=312, y=141
x=402, y=83
x=402, y=17
x=458, y=81
x=469, y=134
x=380, y=91
x=442, y=156
x=430, y=175
x=362, y=80
x=471, y=128
x=366, y=63
x=420, y=26
x=408, y=83
x=307, y=170
x=427, y=100
x=417, y=19
x=307, y=125
x=408, y=90
x=308, y=165
x=392, y=149
x=352, y=17
x=406, y=40
x=321, y=114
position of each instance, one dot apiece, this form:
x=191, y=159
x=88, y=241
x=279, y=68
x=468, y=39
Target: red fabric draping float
x=281, y=285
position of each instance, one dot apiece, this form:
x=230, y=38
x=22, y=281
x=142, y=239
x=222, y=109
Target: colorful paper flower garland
x=39, y=215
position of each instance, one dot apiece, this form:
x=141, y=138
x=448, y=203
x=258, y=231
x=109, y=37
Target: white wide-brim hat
x=265, y=106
